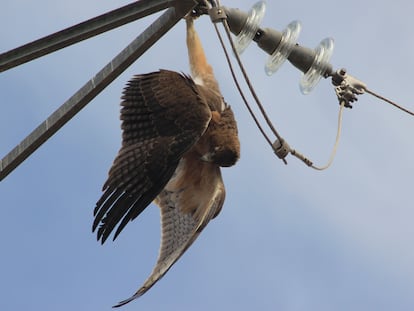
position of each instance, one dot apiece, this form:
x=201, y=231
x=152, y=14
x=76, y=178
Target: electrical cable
x=338, y=135
x=280, y=146
x=246, y=77
x=246, y=103
x=260, y=106
x=283, y=143
x=389, y=101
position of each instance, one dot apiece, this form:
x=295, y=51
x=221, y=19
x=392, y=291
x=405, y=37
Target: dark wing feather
x=197, y=185
x=162, y=116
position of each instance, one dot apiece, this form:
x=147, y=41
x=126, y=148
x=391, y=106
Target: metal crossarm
x=101, y=80
x=82, y=31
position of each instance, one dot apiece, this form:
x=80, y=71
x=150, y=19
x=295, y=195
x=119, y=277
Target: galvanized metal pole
x=82, y=31
x=94, y=86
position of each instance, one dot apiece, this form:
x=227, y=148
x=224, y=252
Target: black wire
x=239, y=88
x=256, y=98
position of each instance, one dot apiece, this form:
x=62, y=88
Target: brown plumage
x=176, y=135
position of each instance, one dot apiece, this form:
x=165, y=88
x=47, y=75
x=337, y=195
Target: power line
x=389, y=101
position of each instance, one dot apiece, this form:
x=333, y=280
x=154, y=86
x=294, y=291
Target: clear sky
x=288, y=238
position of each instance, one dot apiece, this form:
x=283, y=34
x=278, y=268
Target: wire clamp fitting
x=281, y=148
x=347, y=87
x=217, y=14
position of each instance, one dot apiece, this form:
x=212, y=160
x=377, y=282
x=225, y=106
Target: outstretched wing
x=162, y=115
x=189, y=201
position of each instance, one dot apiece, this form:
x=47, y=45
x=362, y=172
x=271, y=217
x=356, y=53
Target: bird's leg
x=201, y=70
x=198, y=61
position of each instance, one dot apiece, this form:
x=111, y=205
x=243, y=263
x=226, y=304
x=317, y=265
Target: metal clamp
x=347, y=87
x=217, y=14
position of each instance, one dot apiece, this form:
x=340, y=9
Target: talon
x=201, y=9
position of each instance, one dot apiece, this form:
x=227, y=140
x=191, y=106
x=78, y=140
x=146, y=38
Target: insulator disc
x=246, y=35
x=319, y=66
x=289, y=38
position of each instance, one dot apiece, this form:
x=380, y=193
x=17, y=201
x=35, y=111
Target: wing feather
x=163, y=115
x=195, y=182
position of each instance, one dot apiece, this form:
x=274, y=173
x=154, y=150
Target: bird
x=177, y=133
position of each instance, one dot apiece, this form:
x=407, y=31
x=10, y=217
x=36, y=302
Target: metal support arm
x=81, y=31
x=94, y=86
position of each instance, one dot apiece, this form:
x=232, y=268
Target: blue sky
x=288, y=238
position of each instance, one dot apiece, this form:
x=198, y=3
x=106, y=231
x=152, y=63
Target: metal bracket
x=347, y=87
x=217, y=14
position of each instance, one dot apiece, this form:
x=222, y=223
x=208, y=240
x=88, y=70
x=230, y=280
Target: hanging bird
x=177, y=133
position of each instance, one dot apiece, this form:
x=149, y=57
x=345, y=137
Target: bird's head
x=222, y=156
